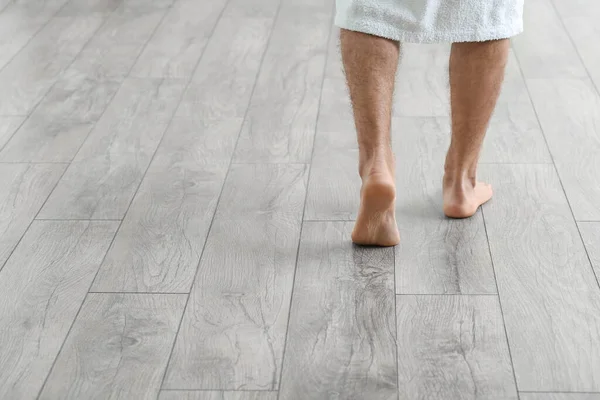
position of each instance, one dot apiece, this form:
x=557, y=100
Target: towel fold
x=432, y=21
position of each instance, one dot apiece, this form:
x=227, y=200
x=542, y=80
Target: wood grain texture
x=514, y=135
x=546, y=51
x=77, y=97
x=579, y=18
x=550, y=297
x=334, y=187
x=335, y=114
x=217, y=395
x=334, y=68
x=437, y=255
x=60, y=124
x=116, y=46
x=43, y=139
x=280, y=124
x=175, y=48
x=159, y=244
x=8, y=127
x=106, y=172
x=569, y=112
x=17, y=27
x=76, y=7
x=107, y=6
x=590, y=233
x=454, y=348
x=118, y=348
x=25, y=188
x=559, y=396
x=145, y=4
x=422, y=88
x=222, y=84
x=341, y=339
x=30, y=74
x=43, y=286
x=233, y=331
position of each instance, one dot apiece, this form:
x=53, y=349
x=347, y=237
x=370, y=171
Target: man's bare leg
x=476, y=75
x=370, y=64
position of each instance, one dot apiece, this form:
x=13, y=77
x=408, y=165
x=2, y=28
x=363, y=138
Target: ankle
x=380, y=161
x=376, y=166
x=460, y=180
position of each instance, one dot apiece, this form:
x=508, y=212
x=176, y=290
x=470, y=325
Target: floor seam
x=314, y=136
x=556, y=171
x=512, y=364
x=227, y=3
x=190, y=80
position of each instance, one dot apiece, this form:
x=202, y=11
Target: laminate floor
x=178, y=185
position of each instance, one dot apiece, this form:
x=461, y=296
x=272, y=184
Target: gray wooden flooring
x=178, y=184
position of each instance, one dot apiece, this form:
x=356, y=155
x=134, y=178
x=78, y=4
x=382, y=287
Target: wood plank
x=75, y=7
x=341, y=341
x=580, y=18
x=514, y=135
x=77, y=97
x=334, y=186
x=233, y=330
x=103, y=178
x=62, y=121
x=24, y=191
x=217, y=395
x=43, y=284
x=550, y=297
x=118, y=348
x=569, y=112
x=559, y=396
x=176, y=47
x=334, y=68
x=452, y=347
x=36, y=68
x=335, y=115
x=114, y=49
x=422, y=81
x=8, y=127
x=60, y=124
x=159, y=244
x=43, y=139
x=437, y=255
x=145, y=4
x=107, y=6
x=222, y=84
x=545, y=50
x=264, y=191
x=280, y=124
x=590, y=233
x=18, y=25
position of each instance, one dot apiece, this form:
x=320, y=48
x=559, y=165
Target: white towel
x=432, y=21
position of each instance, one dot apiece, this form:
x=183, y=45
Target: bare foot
x=376, y=222
x=463, y=200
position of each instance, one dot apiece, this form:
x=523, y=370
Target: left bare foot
x=462, y=199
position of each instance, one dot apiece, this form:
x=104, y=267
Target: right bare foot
x=376, y=221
